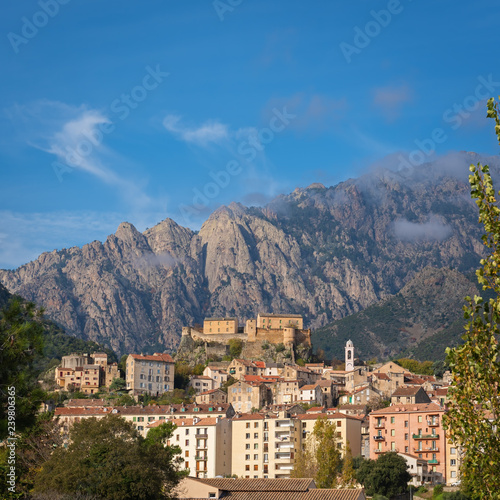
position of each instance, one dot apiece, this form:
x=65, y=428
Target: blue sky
x=137, y=111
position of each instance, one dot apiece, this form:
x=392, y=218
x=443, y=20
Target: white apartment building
x=205, y=444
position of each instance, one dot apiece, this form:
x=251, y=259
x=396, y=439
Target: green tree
x=108, y=458
x=21, y=342
x=388, y=475
x=235, y=348
x=117, y=384
x=348, y=476
x=320, y=457
x=473, y=417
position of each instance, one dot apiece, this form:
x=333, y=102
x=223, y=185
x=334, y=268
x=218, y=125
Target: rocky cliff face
x=322, y=252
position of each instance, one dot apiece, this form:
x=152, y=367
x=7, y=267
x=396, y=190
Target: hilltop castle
x=287, y=329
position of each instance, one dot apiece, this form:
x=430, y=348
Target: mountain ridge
x=321, y=252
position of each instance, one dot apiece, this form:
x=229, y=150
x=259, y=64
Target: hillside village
x=249, y=418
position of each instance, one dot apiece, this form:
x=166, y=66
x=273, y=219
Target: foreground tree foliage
x=321, y=458
x=473, y=417
x=388, y=475
x=107, y=458
x=21, y=342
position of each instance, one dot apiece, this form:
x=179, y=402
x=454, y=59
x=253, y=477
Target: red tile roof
x=166, y=358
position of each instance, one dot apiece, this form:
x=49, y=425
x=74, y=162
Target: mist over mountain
x=322, y=252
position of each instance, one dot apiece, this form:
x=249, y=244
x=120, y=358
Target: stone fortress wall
x=284, y=329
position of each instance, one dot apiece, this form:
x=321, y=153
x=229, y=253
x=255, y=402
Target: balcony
x=377, y=451
x=201, y=436
x=433, y=462
x=284, y=424
x=282, y=456
x=379, y=438
x=380, y=425
x=433, y=423
x=425, y=436
x=284, y=445
x=202, y=446
x=199, y=457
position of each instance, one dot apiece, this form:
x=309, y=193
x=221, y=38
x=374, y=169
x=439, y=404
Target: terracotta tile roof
x=85, y=402
x=312, y=494
x=200, y=377
x=210, y=391
x=166, y=358
x=185, y=422
x=259, y=364
x=406, y=391
x=414, y=380
x=409, y=407
x=308, y=387
x=264, y=485
x=324, y=383
x=167, y=410
x=381, y=376
x=315, y=409
x=248, y=416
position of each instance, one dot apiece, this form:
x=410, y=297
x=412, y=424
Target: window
x=453, y=473
x=255, y=467
x=393, y=445
x=453, y=462
x=247, y=425
x=256, y=424
x=187, y=442
x=393, y=420
x=186, y=454
x=187, y=465
x=393, y=432
x=406, y=423
x=247, y=435
x=419, y=418
x=255, y=435
x=247, y=457
x=256, y=446
x=256, y=456
x=339, y=423
x=247, y=446
x=453, y=451
x=406, y=437
x=187, y=432
x=407, y=449
x=247, y=467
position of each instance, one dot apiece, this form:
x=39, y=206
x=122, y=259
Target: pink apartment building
x=414, y=429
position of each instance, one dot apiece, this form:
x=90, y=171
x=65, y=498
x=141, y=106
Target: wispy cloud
x=390, y=99
x=208, y=132
x=76, y=137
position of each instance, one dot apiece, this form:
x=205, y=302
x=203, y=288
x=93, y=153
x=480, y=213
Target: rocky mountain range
x=322, y=252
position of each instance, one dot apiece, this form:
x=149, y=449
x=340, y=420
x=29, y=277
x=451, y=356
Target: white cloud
x=432, y=230
x=208, y=132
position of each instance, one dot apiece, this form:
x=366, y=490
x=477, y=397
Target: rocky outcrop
x=321, y=252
